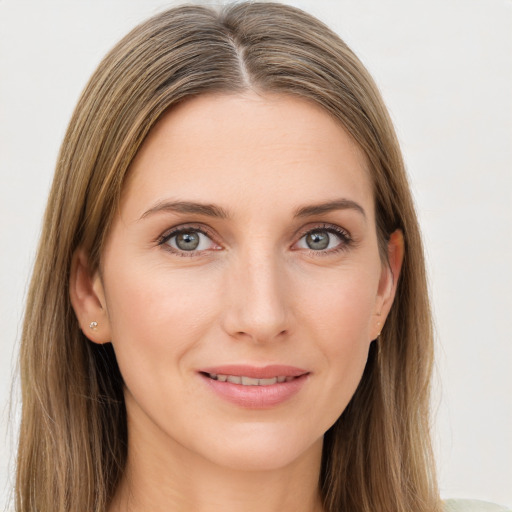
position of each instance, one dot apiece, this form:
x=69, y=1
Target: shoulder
x=472, y=506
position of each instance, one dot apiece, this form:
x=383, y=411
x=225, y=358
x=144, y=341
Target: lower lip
x=256, y=397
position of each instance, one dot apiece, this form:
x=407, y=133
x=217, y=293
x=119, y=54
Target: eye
x=188, y=240
x=325, y=239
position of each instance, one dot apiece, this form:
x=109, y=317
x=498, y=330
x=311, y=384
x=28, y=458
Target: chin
x=262, y=450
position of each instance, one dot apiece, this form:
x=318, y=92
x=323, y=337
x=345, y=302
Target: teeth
x=267, y=382
x=249, y=381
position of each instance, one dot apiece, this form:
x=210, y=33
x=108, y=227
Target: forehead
x=248, y=150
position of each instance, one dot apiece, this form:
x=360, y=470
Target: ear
x=88, y=299
x=388, y=281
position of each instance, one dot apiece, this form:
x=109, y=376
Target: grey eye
x=324, y=239
x=318, y=240
x=188, y=241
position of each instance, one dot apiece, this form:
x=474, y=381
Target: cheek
x=157, y=317
x=340, y=305
x=339, y=316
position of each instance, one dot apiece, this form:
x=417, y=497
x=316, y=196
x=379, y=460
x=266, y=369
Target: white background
x=445, y=70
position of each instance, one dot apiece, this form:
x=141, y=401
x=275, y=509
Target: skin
x=254, y=292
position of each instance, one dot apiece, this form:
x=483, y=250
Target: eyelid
x=343, y=234
x=324, y=226
x=345, y=237
x=176, y=230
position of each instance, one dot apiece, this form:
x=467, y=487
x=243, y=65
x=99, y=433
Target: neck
x=162, y=475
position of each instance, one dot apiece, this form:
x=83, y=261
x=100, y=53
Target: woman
x=229, y=306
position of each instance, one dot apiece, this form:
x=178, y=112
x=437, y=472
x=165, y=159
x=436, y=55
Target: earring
x=93, y=325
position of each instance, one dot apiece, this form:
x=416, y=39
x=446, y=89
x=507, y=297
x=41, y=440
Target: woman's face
x=244, y=253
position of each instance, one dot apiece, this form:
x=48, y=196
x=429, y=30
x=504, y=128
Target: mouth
x=244, y=380
x=255, y=387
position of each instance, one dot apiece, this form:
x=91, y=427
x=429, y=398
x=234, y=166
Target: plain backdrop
x=445, y=70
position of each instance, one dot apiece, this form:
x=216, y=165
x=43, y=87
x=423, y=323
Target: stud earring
x=93, y=325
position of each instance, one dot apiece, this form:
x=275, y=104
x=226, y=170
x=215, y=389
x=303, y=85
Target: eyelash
x=346, y=240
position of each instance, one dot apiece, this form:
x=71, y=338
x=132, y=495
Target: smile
x=249, y=381
x=255, y=387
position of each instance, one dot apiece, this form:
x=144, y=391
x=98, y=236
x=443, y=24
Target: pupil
x=317, y=240
x=187, y=241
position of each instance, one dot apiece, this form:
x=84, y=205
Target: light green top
x=472, y=506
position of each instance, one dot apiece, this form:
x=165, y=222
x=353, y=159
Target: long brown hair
x=72, y=447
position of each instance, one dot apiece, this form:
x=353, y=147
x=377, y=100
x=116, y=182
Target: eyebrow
x=209, y=210
x=330, y=206
x=212, y=210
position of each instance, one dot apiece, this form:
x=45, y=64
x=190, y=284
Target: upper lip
x=256, y=372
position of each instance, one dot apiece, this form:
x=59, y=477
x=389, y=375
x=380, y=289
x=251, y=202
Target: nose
x=257, y=300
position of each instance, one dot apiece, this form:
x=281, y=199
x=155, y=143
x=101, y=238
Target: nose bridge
x=258, y=299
